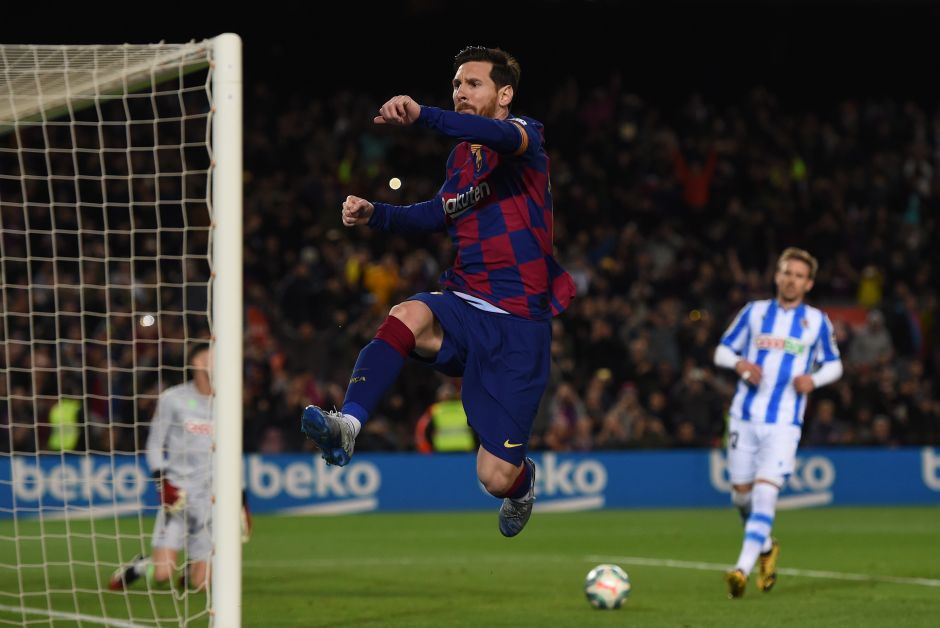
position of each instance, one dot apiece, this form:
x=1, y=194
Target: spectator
x=872, y=345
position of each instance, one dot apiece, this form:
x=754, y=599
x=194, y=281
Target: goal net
x=120, y=238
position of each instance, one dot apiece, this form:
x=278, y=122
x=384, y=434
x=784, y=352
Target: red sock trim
x=522, y=477
x=397, y=335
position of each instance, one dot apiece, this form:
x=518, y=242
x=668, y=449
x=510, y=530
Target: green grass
x=456, y=570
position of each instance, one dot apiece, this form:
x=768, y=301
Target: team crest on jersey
x=787, y=345
x=477, y=151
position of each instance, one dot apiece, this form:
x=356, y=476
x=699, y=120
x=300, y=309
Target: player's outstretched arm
x=503, y=136
x=508, y=137
x=426, y=217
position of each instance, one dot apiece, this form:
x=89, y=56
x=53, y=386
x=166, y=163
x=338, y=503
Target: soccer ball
x=607, y=586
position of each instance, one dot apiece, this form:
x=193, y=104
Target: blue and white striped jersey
x=785, y=344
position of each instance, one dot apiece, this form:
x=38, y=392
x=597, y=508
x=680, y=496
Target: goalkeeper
x=179, y=454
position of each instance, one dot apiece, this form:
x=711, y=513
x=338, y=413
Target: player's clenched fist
x=398, y=110
x=356, y=211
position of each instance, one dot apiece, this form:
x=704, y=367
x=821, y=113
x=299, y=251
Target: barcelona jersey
x=496, y=205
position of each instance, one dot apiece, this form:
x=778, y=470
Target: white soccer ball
x=607, y=586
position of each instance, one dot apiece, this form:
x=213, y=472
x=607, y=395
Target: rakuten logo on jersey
x=576, y=484
x=457, y=205
x=323, y=488
x=810, y=484
x=77, y=483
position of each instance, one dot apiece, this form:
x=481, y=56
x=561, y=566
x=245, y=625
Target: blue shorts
x=504, y=361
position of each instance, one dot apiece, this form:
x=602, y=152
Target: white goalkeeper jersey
x=785, y=344
x=180, y=439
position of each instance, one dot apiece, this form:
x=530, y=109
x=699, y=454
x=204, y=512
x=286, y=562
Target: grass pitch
x=838, y=567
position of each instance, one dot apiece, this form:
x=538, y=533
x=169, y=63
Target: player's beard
x=488, y=110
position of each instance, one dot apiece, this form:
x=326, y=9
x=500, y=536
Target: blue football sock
x=377, y=368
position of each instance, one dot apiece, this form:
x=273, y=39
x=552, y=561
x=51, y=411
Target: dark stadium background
x=815, y=59
x=807, y=51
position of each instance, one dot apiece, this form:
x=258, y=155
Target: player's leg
x=410, y=326
x=515, y=484
x=501, y=478
x=772, y=472
x=197, y=575
x=504, y=380
x=770, y=550
x=743, y=447
x=775, y=461
x=164, y=565
x=129, y=573
x=198, y=543
x=741, y=498
x=156, y=569
x=757, y=528
x=741, y=457
x=168, y=535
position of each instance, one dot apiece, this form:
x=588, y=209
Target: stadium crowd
x=669, y=219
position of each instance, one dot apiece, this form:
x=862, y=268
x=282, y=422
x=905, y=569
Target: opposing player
x=774, y=346
x=491, y=323
x=179, y=454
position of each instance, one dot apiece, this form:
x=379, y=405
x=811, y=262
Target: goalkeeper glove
x=172, y=498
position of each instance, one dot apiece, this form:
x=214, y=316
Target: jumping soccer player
x=491, y=324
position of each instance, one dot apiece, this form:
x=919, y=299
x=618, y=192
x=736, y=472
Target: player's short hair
x=195, y=348
x=506, y=69
x=801, y=255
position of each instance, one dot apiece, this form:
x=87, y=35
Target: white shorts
x=191, y=528
x=765, y=451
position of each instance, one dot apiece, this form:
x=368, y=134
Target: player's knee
x=402, y=312
x=162, y=572
x=741, y=499
x=414, y=314
x=741, y=488
x=775, y=483
x=197, y=579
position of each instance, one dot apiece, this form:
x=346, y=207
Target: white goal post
x=120, y=250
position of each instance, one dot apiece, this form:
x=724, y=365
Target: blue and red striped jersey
x=496, y=204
